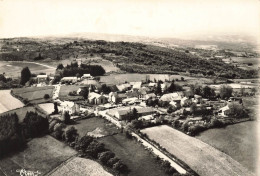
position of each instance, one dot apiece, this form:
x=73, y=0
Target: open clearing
x=199, y=156
x=66, y=89
x=81, y=167
x=21, y=112
x=238, y=141
x=133, y=77
x=14, y=68
x=94, y=125
x=34, y=94
x=8, y=102
x=42, y=154
x=47, y=107
x=133, y=154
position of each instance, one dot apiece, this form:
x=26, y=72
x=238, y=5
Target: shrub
x=105, y=156
x=112, y=161
x=119, y=166
x=46, y=96
x=84, y=142
x=71, y=134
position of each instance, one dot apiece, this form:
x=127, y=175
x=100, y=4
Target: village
x=189, y=108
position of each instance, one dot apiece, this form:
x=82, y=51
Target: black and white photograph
x=129, y=87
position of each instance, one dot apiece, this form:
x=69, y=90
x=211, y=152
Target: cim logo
x=24, y=172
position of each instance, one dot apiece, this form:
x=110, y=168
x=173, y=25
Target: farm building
x=144, y=111
x=124, y=87
x=70, y=107
x=136, y=85
x=172, y=96
x=150, y=95
x=41, y=78
x=185, y=101
x=69, y=79
x=95, y=98
x=223, y=112
x=86, y=76
x=115, y=97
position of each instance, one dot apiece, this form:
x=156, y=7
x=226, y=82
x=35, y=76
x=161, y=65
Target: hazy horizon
x=162, y=19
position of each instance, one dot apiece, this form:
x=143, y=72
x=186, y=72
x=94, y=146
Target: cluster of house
x=136, y=93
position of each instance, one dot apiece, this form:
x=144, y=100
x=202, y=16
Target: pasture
x=14, y=68
x=138, y=160
x=47, y=107
x=199, y=156
x=135, y=77
x=238, y=141
x=66, y=89
x=81, y=167
x=34, y=94
x=8, y=102
x=41, y=154
x=95, y=126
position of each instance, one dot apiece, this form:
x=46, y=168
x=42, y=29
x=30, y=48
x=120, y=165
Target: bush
x=71, y=134
x=119, y=166
x=94, y=148
x=105, y=156
x=84, y=142
x=46, y=96
x=112, y=161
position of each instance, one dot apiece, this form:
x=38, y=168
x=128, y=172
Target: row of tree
x=13, y=134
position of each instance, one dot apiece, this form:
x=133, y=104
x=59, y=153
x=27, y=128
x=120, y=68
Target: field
x=238, y=141
x=95, y=124
x=13, y=69
x=47, y=107
x=64, y=92
x=131, y=152
x=8, y=102
x=21, y=112
x=34, y=94
x=81, y=167
x=42, y=154
x=199, y=156
x=107, y=65
x=138, y=160
x=134, y=77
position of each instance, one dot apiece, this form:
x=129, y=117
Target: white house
x=185, y=101
x=150, y=95
x=41, y=78
x=172, y=96
x=86, y=76
x=69, y=79
x=70, y=107
x=136, y=85
x=223, y=112
x=95, y=98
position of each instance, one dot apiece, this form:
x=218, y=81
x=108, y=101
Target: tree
x=2, y=78
x=56, y=111
x=84, y=142
x=105, y=156
x=253, y=90
x=105, y=89
x=60, y=67
x=25, y=75
x=119, y=166
x=112, y=161
x=158, y=90
x=236, y=110
x=35, y=125
x=71, y=134
x=208, y=92
x=66, y=117
x=84, y=92
x=225, y=92
x=46, y=96
x=193, y=108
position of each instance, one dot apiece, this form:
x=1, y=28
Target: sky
x=154, y=18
